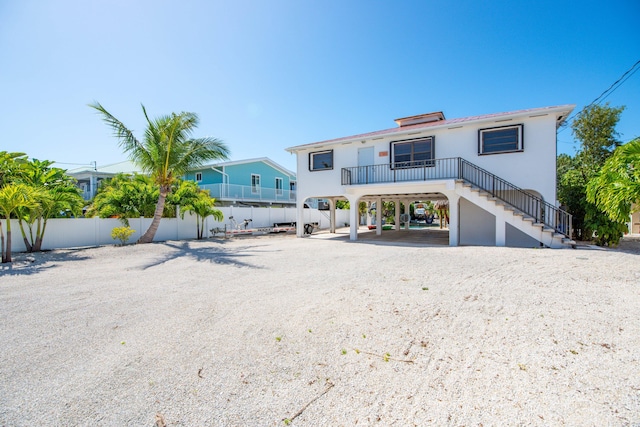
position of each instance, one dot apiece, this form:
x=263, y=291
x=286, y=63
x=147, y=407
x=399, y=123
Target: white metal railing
x=249, y=193
x=459, y=168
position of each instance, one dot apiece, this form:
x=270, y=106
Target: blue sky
x=266, y=75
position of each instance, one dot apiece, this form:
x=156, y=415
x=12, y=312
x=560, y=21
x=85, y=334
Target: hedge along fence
x=65, y=233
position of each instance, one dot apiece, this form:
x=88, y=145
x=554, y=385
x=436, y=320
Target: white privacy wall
x=79, y=232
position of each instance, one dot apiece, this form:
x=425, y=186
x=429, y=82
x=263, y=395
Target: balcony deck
x=246, y=193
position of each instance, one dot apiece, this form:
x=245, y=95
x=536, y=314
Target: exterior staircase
x=527, y=212
x=527, y=224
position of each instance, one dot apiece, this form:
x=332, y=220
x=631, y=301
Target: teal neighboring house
x=252, y=182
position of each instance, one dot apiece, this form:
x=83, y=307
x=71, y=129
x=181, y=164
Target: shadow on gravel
x=217, y=255
x=25, y=264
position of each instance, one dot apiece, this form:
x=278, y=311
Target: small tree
x=13, y=197
x=616, y=188
x=194, y=200
x=56, y=191
x=122, y=233
x=127, y=196
x=594, y=127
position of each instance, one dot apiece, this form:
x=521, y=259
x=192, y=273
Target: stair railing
x=458, y=168
x=529, y=204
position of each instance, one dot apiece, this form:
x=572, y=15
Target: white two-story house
x=497, y=171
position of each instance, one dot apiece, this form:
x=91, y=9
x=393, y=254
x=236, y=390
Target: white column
x=454, y=219
x=353, y=217
x=299, y=218
x=396, y=204
x=407, y=211
x=368, y=214
x=332, y=216
x=379, y=216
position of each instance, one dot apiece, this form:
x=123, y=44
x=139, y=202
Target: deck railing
x=458, y=168
x=250, y=194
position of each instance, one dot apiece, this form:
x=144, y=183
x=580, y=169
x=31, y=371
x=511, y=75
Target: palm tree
x=10, y=169
x=12, y=197
x=616, y=188
x=57, y=193
x=203, y=206
x=125, y=196
x=10, y=166
x=166, y=153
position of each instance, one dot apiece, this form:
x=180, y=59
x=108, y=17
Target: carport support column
x=353, y=218
x=454, y=219
x=332, y=216
x=300, y=218
x=396, y=204
x=379, y=216
x=407, y=206
x=501, y=227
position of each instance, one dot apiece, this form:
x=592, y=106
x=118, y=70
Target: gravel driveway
x=277, y=330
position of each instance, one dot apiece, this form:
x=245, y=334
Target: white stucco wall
x=531, y=169
x=517, y=239
x=477, y=226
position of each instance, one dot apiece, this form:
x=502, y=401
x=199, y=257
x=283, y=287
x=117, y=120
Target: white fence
x=78, y=232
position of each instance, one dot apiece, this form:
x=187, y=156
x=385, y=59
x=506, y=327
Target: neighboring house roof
x=562, y=110
x=113, y=168
x=242, y=162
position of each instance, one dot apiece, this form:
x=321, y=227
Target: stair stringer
x=547, y=236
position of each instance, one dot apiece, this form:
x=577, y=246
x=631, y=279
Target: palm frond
x=129, y=143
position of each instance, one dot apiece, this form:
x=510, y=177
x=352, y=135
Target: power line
x=615, y=85
x=75, y=164
x=94, y=164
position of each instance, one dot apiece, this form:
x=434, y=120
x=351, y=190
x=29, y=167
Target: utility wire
x=94, y=164
x=615, y=85
x=74, y=164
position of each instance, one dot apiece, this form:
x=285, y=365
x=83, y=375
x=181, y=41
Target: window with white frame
x=505, y=139
x=198, y=176
x=255, y=183
x=279, y=186
x=321, y=160
x=411, y=153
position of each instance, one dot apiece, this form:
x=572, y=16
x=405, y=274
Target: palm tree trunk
x=37, y=247
x=1, y=242
x=148, y=236
x=27, y=244
x=7, y=254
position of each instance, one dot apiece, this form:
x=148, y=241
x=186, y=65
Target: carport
x=402, y=232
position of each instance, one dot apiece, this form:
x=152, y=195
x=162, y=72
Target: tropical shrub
x=122, y=233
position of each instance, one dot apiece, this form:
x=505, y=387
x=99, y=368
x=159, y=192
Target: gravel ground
x=276, y=330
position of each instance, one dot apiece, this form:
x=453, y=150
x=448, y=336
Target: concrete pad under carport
x=427, y=236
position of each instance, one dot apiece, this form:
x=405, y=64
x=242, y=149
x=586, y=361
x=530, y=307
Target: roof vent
x=419, y=119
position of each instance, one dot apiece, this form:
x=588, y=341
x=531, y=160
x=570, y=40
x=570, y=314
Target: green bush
x=122, y=233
